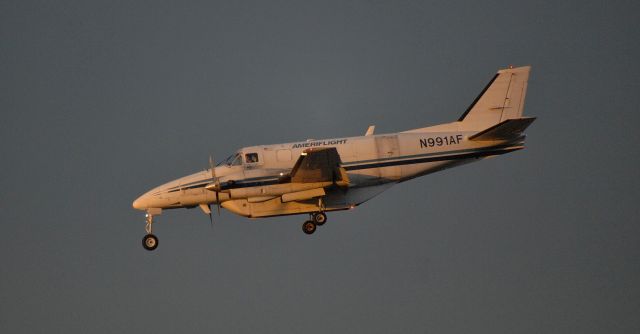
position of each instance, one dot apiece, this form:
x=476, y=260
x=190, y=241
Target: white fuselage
x=373, y=163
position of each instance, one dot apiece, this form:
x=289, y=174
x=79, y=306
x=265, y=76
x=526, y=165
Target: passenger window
x=251, y=158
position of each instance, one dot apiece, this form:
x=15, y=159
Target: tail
x=502, y=99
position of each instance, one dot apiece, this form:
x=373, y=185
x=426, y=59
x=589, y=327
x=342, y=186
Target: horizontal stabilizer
x=505, y=130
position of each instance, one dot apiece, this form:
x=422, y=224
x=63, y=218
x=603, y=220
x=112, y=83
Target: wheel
x=309, y=227
x=319, y=218
x=150, y=242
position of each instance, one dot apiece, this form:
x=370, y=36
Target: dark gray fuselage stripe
x=270, y=180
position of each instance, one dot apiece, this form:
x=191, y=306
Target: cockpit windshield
x=232, y=160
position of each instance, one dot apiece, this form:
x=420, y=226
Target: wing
x=319, y=165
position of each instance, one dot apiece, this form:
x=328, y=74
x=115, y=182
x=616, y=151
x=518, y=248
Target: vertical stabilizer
x=502, y=99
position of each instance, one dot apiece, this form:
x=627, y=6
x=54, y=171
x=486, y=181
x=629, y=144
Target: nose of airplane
x=141, y=203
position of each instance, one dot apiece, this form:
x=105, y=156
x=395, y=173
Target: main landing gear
x=150, y=241
x=317, y=219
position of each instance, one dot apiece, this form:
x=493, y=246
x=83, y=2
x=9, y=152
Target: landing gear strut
x=150, y=241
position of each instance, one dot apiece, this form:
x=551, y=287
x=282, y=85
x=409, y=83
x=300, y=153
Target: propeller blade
x=206, y=208
x=215, y=185
x=212, y=166
x=218, y=202
x=210, y=218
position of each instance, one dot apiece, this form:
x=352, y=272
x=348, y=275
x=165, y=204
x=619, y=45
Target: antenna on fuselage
x=370, y=130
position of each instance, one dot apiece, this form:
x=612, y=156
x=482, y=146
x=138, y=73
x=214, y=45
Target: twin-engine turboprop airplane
x=317, y=176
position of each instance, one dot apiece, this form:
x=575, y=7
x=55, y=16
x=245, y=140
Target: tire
x=309, y=227
x=150, y=242
x=319, y=218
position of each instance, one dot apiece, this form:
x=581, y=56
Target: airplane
x=314, y=177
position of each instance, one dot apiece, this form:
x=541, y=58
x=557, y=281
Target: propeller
x=215, y=185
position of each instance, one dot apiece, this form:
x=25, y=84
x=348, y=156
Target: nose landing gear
x=150, y=241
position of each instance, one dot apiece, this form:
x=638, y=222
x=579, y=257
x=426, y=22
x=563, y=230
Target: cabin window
x=251, y=158
x=237, y=161
x=232, y=160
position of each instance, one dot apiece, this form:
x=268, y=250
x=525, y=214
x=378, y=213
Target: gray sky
x=102, y=101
